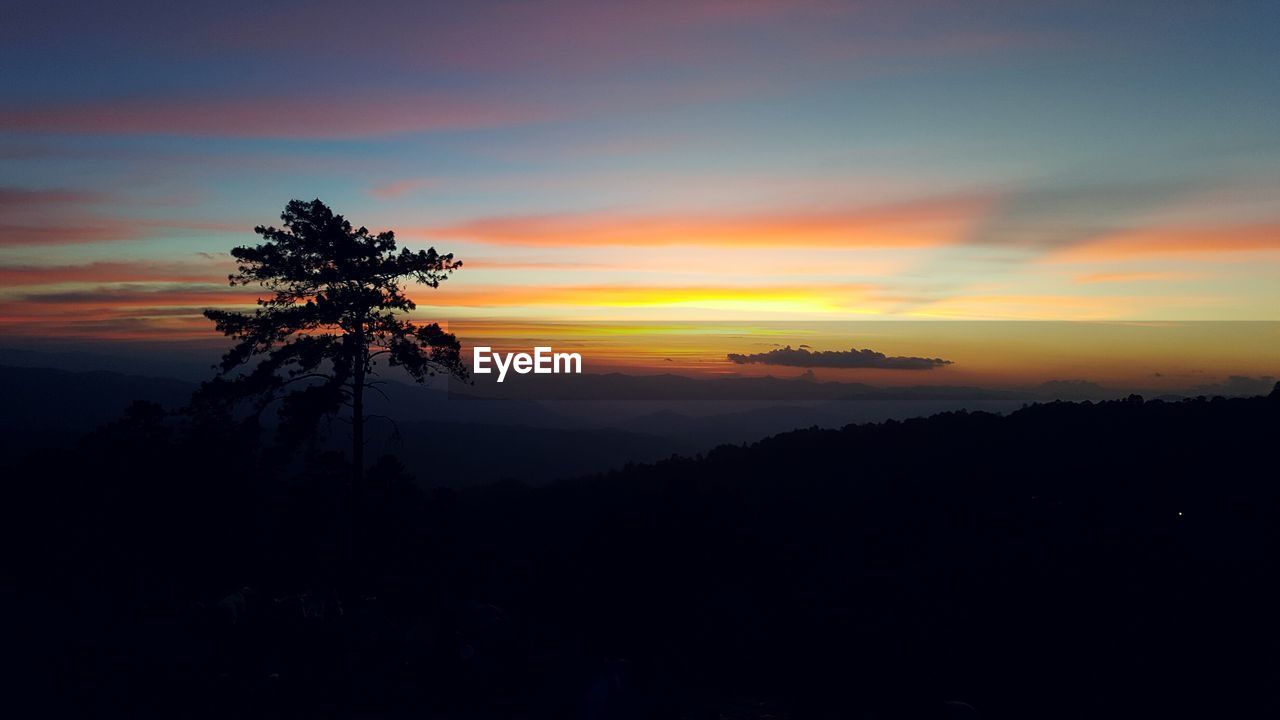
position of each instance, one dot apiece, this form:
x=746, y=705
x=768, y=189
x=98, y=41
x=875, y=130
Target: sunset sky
x=726, y=161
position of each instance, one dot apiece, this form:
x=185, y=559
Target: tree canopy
x=337, y=309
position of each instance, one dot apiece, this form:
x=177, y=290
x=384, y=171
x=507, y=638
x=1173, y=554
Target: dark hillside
x=1069, y=560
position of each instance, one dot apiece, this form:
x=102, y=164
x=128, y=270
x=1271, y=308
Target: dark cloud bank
x=851, y=358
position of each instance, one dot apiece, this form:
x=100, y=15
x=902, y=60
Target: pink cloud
x=628, y=55
x=313, y=116
x=17, y=197
x=400, y=188
x=72, y=231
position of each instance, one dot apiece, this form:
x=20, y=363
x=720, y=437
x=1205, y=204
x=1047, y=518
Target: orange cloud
x=113, y=272
x=721, y=261
x=112, y=325
x=926, y=223
x=1113, y=277
x=169, y=312
x=1201, y=241
x=154, y=297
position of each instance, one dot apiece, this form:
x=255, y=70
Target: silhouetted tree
x=337, y=308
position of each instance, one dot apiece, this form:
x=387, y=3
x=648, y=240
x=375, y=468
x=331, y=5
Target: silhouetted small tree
x=338, y=306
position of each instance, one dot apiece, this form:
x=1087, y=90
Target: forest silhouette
x=1065, y=560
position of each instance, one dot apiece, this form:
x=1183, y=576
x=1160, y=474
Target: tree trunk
x=359, y=358
x=357, y=409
